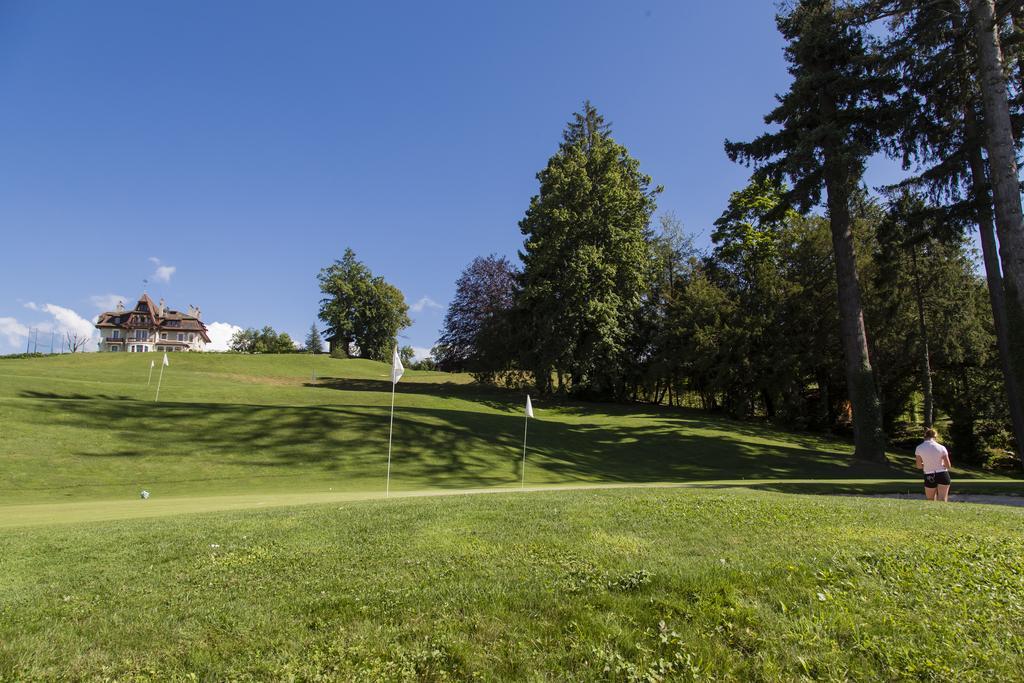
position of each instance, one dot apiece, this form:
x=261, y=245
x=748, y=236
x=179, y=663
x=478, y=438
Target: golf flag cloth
x=526, y=424
x=396, y=367
x=396, y=374
x=152, y=363
x=159, y=381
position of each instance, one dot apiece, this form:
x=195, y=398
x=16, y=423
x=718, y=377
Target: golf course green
x=647, y=544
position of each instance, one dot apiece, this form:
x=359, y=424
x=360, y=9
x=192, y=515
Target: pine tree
x=830, y=122
x=584, y=260
x=931, y=45
x=314, y=343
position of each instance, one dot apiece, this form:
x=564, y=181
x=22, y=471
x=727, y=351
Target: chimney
x=120, y=307
x=163, y=307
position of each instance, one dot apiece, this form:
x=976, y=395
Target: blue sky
x=227, y=151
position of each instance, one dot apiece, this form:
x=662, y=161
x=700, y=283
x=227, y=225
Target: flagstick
x=158, y=382
x=391, y=430
x=150, y=380
x=526, y=424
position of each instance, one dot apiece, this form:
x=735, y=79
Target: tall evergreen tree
x=1003, y=175
x=314, y=343
x=932, y=47
x=829, y=125
x=1002, y=147
x=585, y=259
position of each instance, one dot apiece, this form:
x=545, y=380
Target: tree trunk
x=769, y=404
x=926, y=368
x=997, y=298
x=825, y=412
x=868, y=436
x=1003, y=175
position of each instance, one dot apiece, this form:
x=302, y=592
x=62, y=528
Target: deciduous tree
x=360, y=308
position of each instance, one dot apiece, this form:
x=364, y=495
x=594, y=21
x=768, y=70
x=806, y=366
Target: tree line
x=605, y=304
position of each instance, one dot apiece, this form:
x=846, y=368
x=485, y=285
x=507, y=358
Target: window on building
x=181, y=336
x=116, y=334
x=111, y=347
x=141, y=334
x=191, y=337
x=163, y=335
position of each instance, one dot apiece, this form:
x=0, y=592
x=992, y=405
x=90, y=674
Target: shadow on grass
x=446, y=448
x=513, y=400
x=493, y=397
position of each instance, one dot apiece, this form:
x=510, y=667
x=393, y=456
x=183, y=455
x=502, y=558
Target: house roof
x=169, y=320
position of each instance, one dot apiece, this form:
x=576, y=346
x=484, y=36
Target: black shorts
x=935, y=478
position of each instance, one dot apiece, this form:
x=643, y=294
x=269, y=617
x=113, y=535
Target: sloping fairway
x=642, y=583
x=586, y=585
x=84, y=429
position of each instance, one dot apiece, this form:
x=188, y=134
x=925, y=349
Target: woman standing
x=933, y=458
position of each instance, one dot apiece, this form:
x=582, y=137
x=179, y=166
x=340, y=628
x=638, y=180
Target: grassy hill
x=259, y=583
x=85, y=428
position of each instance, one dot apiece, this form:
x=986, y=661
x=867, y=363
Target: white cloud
x=64, y=320
x=162, y=273
x=424, y=303
x=220, y=335
x=419, y=353
x=13, y=332
x=69, y=321
x=107, y=302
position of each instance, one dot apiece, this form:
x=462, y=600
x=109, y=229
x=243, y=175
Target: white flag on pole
x=526, y=424
x=152, y=364
x=396, y=368
x=160, y=380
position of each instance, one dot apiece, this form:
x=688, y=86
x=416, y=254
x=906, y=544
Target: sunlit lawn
x=85, y=427
x=613, y=585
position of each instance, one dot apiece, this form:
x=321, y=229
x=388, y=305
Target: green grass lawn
x=624, y=585
x=285, y=569
x=84, y=427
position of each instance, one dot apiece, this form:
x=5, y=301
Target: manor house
x=151, y=327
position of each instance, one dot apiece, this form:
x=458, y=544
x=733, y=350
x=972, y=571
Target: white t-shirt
x=931, y=454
